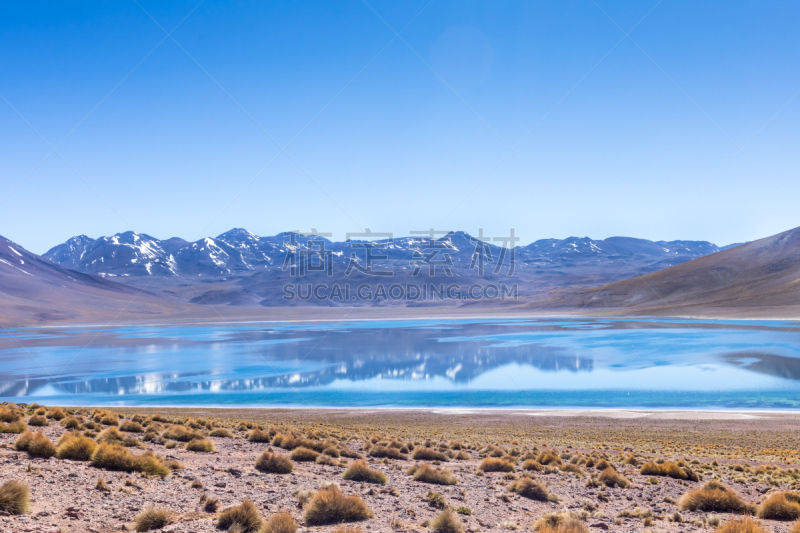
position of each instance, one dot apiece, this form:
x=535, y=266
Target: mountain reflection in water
x=413, y=356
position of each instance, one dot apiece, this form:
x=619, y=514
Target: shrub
x=303, y=454
x=56, y=414
x=14, y=497
x=715, y=497
x=669, y=469
x=36, y=444
x=109, y=420
x=180, y=433
x=131, y=427
x=222, y=432
x=210, y=505
x=111, y=435
x=115, y=457
x=383, y=451
x=742, y=525
x=331, y=452
x=243, y=518
x=259, y=436
x=780, y=506
x=200, y=445
x=101, y=485
x=532, y=465
x=330, y=506
x=447, y=522
x=9, y=415
x=280, y=523
x=71, y=423
x=426, y=454
x=427, y=474
x=274, y=463
x=546, y=458
x=37, y=421
x=529, y=488
x=610, y=478
x=566, y=525
x=360, y=471
x=76, y=447
x=18, y=426
x=491, y=464
x=151, y=519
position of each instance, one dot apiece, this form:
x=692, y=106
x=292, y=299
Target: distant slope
x=34, y=291
x=760, y=278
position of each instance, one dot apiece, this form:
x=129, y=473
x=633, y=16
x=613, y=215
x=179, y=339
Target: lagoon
x=476, y=363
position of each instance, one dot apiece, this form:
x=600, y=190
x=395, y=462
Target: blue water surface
x=530, y=363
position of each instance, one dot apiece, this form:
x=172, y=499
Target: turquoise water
x=531, y=363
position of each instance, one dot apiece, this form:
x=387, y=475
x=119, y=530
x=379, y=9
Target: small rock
x=599, y=525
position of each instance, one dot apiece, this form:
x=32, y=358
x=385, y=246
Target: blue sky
x=541, y=116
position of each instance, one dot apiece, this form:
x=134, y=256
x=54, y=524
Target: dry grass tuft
x=568, y=525
x=742, y=525
x=390, y=453
x=180, y=433
x=131, y=427
x=360, y=471
x=274, y=463
x=151, y=519
x=243, y=517
x=37, y=421
x=780, y=506
x=715, y=497
x=280, y=523
x=302, y=453
x=14, y=497
x=36, y=444
x=101, y=485
x=330, y=506
x=492, y=464
x=259, y=436
x=115, y=457
x=427, y=474
x=222, y=433
x=610, y=478
x=76, y=447
x=531, y=489
x=200, y=445
x=447, y=522
x=547, y=458
x=427, y=454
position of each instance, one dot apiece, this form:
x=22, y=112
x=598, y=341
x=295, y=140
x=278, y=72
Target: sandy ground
x=64, y=497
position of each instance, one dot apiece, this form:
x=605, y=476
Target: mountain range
x=135, y=277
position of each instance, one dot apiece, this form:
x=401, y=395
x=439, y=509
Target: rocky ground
x=64, y=497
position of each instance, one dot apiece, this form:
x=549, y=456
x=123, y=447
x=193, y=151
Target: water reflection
x=433, y=356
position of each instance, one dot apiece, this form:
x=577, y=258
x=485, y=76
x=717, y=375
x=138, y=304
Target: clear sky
x=187, y=119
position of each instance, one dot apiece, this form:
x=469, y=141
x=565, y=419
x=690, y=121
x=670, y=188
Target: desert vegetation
x=171, y=468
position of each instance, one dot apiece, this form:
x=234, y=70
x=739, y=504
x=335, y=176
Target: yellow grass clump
x=76, y=447
x=437, y=476
x=243, y=517
x=360, y=471
x=531, y=489
x=180, y=433
x=200, y=445
x=151, y=519
x=610, y=478
x=330, y=506
x=492, y=464
x=742, y=525
x=36, y=444
x=715, y=497
x=274, y=464
x=14, y=497
x=447, y=522
x=427, y=454
x=780, y=506
x=301, y=453
x=280, y=523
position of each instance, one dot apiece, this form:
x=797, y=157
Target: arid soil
x=754, y=455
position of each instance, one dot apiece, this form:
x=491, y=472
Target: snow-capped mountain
x=239, y=252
